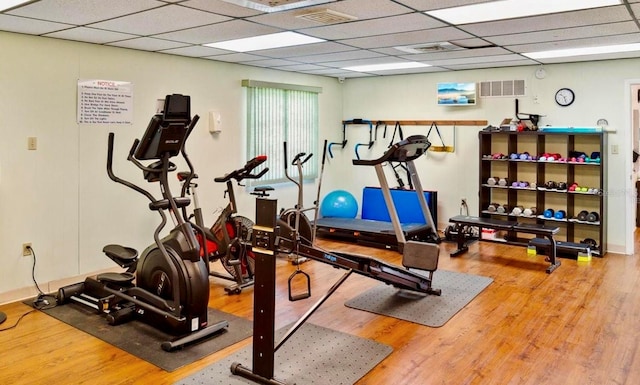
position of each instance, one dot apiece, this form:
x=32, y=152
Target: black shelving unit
x=537, y=173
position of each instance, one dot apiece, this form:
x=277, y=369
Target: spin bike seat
x=123, y=256
x=261, y=190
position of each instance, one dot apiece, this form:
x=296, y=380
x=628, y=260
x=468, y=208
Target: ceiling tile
x=382, y=26
x=160, y=20
x=408, y=38
x=422, y=5
x=90, y=35
x=147, y=44
x=221, y=8
x=577, y=43
x=547, y=22
x=240, y=57
x=195, y=51
x=29, y=26
x=235, y=29
x=338, y=56
x=304, y=50
x=82, y=12
x=373, y=9
x=566, y=33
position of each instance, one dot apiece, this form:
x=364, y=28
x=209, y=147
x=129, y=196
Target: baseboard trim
x=48, y=287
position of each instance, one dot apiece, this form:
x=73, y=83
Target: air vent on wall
x=498, y=88
x=430, y=47
x=327, y=16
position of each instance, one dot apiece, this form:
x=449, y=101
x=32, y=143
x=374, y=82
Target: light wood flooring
x=578, y=325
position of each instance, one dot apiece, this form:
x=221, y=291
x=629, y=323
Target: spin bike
x=171, y=288
x=229, y=239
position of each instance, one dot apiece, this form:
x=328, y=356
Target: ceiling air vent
x=327, y=16
x=430, y=48
x=498, y=88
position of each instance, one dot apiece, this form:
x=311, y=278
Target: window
x=277, y=113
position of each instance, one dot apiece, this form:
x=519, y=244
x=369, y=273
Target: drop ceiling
x=357, y=32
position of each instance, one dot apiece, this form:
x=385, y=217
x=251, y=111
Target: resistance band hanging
x=398, y=129
x=443, y=148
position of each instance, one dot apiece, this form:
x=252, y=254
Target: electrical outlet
x=26, y=249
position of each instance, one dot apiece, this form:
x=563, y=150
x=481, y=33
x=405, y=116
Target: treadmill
x=389, y=235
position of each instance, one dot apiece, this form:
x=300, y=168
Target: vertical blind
x=277, y=113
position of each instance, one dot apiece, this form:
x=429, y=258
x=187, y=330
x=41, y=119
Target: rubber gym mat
x=314, y=355
x=458, y=289
x=143, y=341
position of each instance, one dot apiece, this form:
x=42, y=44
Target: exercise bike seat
x=123, y=256
x=163, y=204
x=183, y=175
x=261, y=190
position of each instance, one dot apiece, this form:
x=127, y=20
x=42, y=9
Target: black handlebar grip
x=110, y=151
x=133, y=148
x=286, y=163
x=298, y=156
x=324, y=152
x=307, y=158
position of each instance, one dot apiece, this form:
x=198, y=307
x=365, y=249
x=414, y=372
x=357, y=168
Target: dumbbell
x=562, y=186
x=523, y=184
x=582, y=215
x=529, y=212
x=560, y=214
x=501, y=209
x=593, y=217
x=533, y=185
x=503, y=182
x=492, y=181
x=492, y=207
x=548, y=213
x=517, y=211
x=593, y=245
x=525, y=156
x=550, y=185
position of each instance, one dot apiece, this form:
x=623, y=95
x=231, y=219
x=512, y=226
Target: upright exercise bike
x=171, y=288
x=229, y=239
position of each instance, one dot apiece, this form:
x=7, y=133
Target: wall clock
x=564, y=97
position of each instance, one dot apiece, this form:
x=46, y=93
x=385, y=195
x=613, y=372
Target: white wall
x=599, y=88
x=59, y=197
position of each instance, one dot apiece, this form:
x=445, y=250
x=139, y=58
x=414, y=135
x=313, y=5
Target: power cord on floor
x=18, y=321
x=42, y=301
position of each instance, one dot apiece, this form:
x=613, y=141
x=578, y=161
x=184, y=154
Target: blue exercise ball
x=339, y=204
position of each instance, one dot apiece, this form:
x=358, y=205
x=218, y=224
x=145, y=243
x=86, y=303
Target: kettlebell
x=549, y=213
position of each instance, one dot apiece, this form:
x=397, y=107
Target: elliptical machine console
x=171, y=289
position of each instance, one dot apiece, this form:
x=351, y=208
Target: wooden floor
x=578, y=325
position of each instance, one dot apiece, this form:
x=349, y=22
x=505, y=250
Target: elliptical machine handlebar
x=245, y=171
x=403, y=151
x=117, y=179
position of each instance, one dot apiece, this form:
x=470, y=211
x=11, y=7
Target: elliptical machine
x=171, y=289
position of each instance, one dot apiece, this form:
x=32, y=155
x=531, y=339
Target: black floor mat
x=143, y=341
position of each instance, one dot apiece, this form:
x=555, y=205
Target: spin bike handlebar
x=245, y=171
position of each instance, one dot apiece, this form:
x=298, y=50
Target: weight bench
x=488, y=223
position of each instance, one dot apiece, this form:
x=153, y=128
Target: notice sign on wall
x=105, y=101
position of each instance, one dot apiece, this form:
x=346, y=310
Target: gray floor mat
x=314, y=355
x=458, y=289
